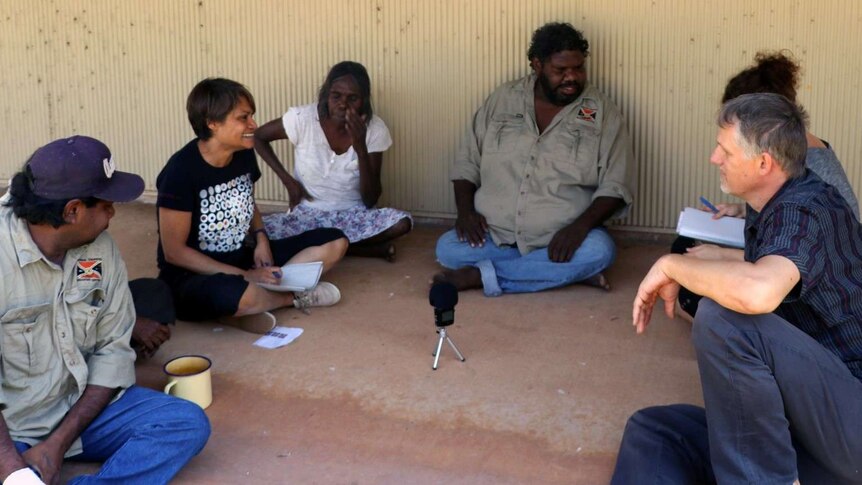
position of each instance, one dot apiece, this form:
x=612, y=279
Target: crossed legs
x=501, y=269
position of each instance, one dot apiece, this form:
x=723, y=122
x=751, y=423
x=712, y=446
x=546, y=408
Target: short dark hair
x=771, y=123
x=357, y=72
x=556, y=37
x=33, y=208
x=772, y=72
x=212, y=100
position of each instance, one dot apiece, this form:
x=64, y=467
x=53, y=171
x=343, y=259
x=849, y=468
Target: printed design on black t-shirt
x=226, y=212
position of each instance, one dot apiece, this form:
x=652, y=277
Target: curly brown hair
x=772, y=72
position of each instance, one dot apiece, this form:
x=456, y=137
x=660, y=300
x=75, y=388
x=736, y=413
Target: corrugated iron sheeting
x=121, y=71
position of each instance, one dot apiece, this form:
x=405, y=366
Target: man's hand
x=729, y=210
x=565, y=242
x=46, y=458
x=656, y=284
x=150, y=334
x=471, y=227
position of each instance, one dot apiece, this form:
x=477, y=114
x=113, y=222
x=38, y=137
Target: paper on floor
x=278, y=337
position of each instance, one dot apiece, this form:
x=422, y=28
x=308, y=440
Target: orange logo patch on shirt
x=587, y=114
x=88, y=270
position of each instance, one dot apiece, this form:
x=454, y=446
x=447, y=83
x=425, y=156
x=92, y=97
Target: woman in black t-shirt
x=207, y=214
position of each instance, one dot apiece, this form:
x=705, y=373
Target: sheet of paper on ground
x=278, y=337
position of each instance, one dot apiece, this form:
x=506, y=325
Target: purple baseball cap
x=78, y=167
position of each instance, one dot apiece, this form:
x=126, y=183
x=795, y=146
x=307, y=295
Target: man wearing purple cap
x=67, y=382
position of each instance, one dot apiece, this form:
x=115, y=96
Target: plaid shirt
x=809, y=223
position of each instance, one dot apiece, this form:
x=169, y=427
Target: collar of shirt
x=752, y=217
x=588, y=98
x=25, y=248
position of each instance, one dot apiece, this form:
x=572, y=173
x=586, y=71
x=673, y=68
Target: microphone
x=443, y=297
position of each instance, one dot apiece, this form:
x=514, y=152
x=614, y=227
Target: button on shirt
x=531, y=185
x=809, y=223
x=62, y=329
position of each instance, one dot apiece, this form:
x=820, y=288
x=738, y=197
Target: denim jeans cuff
x=489, y=278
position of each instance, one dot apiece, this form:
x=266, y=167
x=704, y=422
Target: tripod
x=442, y=332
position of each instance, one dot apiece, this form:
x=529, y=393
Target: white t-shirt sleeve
x=377, y=138
x=290, y=120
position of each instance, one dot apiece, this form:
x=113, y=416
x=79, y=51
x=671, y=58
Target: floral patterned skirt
x=357, y=223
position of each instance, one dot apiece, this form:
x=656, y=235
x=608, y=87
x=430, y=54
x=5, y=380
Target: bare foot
x=463, y=279
x=598, y=281
x=384, y=250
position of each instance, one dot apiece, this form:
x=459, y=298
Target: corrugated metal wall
x=121, y=71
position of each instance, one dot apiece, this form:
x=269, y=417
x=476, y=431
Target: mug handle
x=169, y=386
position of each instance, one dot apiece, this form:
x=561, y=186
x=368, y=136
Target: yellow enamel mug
x=189, y=378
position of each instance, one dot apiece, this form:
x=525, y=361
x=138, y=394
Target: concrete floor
x=549, y=381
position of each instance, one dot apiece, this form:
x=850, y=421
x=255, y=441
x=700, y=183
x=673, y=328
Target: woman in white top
x=339, y=145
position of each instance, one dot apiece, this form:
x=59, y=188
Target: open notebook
x=297, y=277
x=698, y=224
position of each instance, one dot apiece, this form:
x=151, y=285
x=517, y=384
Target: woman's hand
x=356, y=127
x=270, y=275
x=296, y=191
x=262, y=251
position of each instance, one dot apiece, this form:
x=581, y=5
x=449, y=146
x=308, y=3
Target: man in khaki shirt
x=66, y=316
x=546, y=161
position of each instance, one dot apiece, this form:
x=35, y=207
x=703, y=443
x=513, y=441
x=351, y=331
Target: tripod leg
x=460, y=356
x=437, y=353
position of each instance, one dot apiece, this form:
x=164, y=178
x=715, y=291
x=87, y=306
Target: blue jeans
x=145, y=437
x=505, y=270
x=779, y=406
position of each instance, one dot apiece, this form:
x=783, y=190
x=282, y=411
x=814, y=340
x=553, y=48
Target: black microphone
x=443, y=297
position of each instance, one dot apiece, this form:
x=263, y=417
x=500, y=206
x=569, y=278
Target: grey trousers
x=779, y=406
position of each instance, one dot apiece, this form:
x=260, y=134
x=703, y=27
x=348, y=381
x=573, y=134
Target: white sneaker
x=324, y=294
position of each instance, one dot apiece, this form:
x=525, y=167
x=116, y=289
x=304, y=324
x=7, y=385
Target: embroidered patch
x=88, y=270
x=587, y=114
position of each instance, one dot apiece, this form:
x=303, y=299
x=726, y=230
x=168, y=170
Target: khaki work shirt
x=531, y=185
x=62, y=329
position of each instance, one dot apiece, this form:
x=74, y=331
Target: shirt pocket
x=575, y=156
x=84, y=307
x=503, y=133
x=27, y=345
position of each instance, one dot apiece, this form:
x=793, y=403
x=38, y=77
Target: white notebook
x=698, y=224
x=297, y=277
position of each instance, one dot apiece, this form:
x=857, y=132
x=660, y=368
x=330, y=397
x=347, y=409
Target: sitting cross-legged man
x=546, y=161
x=68, y=378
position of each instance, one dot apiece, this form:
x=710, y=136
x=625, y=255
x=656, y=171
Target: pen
x=708, y=205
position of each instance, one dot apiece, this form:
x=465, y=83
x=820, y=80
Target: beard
x=554, y=95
